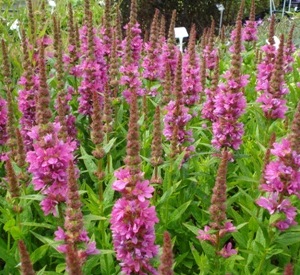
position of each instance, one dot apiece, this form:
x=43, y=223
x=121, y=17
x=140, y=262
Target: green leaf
x=42, y=271
x=107, y=147
x=9, y=224
x=89, y=163
x=36, y=197
x=16, y=232
x=180, y=258
x=7, y=257
x=168, y=193
x=196, y=255
x=108, y=194
x=179, y=211
x=46, y=240
x=60, y=268
x=208, y=249
x=204, y=265
x=36, y=224
x=106, y=251
x=192, y=228
x=91, y=217
x=39, y=253
x=288, y=238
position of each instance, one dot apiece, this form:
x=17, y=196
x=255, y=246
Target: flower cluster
x=210, y=53
x=92, y=80
x=77, y=245
x=132, y=224
x=82, y=237
x=191, y=87
x=131, y=80
x=177, y=116
x=229, y=104
x=282, y=180
x=48, y=163
x=92, y=69
x=152, y=62
x=27, y=106
x=274, y=88
x=132, y=47
x=208, y=234
x=249, y=32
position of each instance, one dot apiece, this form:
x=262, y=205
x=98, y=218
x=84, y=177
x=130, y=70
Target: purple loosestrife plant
x=166, y=259
x=267, y=64
x=230, y=101
x=281, y=182
x=92, y=68
x=132, y=224
x=48, y=161
x=132, y=46
x=271, y=99
x=26, y=265
x=191, y=87
x=152, y=62
x=26, y=95
x=132, y=218
x=170, y=51
x=219, y=226
x=249, y=32
x=77, y=245
x=210, y=53
x=210, y=93
x=289, y=50
x=177, y=116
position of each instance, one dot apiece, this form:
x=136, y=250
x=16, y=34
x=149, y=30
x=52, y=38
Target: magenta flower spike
x=230, y=102
x=92, y=68
x=272, y=99
x=132, y=218
x=132, y=46
x=191, y=87
x=249, y=32
x=77, y=245
x=48, y=161
x=282, y=180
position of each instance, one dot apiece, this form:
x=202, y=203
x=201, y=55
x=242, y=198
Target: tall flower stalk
x=50, y=156
x=219, y=225
x=281, y=178
x=272, y=102
x=177, y=117
x=191, y=87
x=77, y=245
x=132, y=218
x=230, y=101
x=249, y=32
x=131, y=55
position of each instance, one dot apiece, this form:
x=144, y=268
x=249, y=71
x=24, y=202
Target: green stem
x=258, y=271
x=8, y=241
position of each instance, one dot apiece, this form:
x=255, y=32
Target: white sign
x=180, y=33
